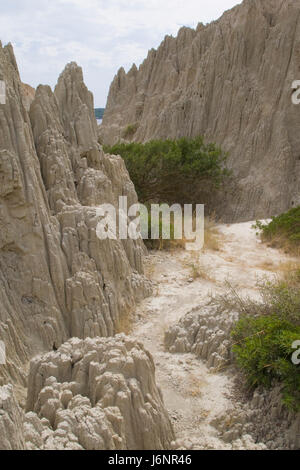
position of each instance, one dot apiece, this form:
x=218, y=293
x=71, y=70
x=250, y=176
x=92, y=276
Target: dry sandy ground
x=192, y=393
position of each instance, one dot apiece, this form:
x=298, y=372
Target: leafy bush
x=182, y=171
x=265, y=333
x=263, y=348
x=283, y=231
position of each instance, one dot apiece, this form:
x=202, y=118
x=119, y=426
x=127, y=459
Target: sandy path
x=193, y=394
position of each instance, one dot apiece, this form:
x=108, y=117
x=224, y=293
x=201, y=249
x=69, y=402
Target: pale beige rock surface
x=11, y=421
x=92, y=394
x=58, y=279
x=206, y=333
x=231, y=82
x=28, y=94
x=96, y=394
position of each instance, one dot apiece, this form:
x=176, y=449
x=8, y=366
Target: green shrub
x=283, y=231
x=183, y=171
x=263, y=349
x=265, y=333
x=129, y=131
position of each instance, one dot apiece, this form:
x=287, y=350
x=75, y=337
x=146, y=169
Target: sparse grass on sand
x=165, y=245
x=267, y=265
x=289, y=271
x=198, y=269
x=212, y=236
x=283, y=271
x=125, y=323
x=280, y=242
x=195, y=385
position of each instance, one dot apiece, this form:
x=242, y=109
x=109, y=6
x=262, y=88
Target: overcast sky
x=100, y=35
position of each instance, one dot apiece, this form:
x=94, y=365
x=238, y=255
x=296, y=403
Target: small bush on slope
x=265, y=333
x=129, y=131
x=263, y=349
x=169, y=171
x=283, y=231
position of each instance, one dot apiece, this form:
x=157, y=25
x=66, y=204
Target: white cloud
x=100, y=35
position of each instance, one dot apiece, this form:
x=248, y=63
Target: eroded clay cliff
x=96, y=394
x=58, y=280
x=231, y=82
x=92, y=394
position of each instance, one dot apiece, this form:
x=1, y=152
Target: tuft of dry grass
x=212, y=236
x=198, y=270
x=267, y=265
x=173, y=244
x=282, y=270
x=281, y=242
x=125, y=323
x=195, y=385
x=232, y=301
x=166, y=245
x=149, y=268
x=288, y=267
x=290, y=273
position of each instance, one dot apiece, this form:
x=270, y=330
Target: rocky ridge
x=58, y=280
x=93, y=394
x=229, y=81
x=204, y=332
